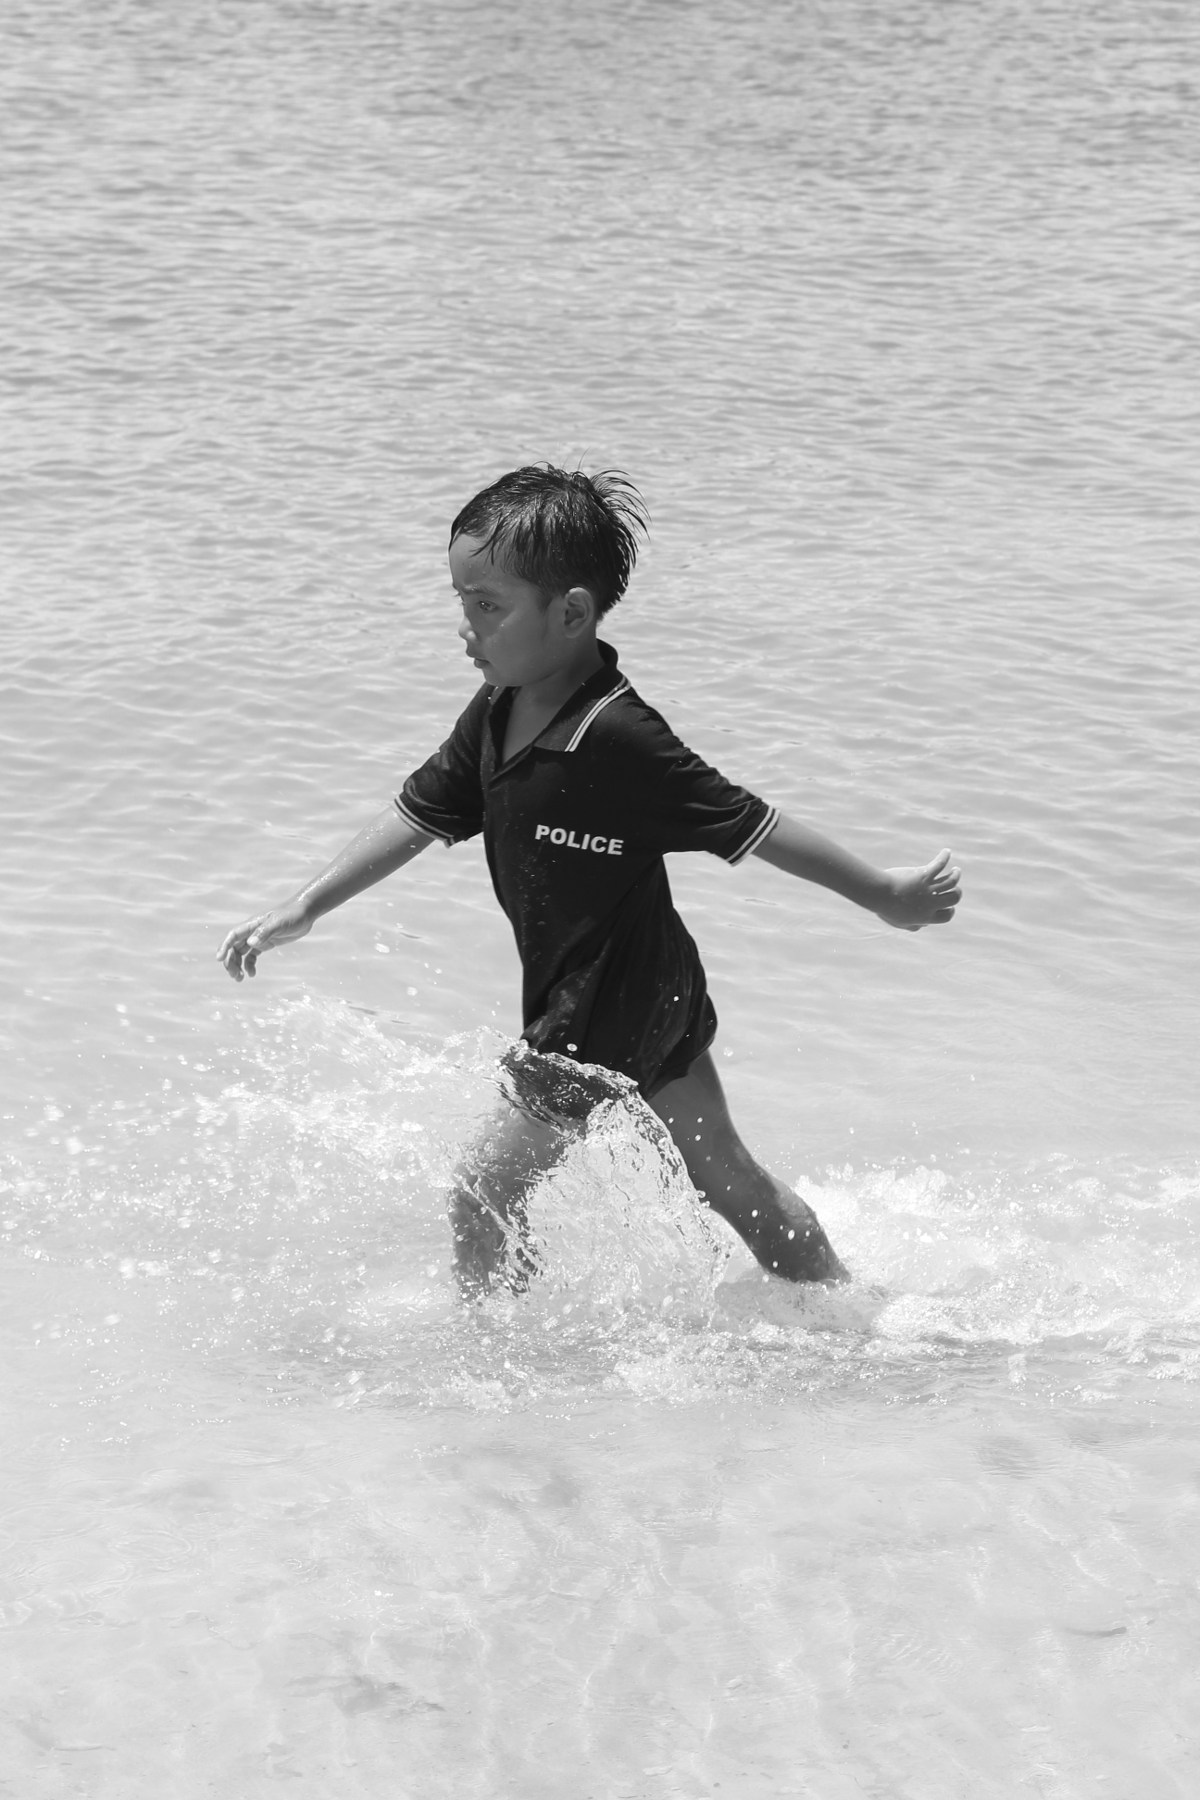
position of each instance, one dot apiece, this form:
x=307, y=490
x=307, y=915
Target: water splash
x=284, y=1211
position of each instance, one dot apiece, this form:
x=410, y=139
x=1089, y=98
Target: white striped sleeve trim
x=604, y=700
x=410, y=818
x=759, y=837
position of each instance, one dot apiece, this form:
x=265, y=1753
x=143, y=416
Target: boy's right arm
x=384, y=846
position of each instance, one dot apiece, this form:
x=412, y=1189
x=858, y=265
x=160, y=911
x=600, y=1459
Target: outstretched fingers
x=942, y=880
x=239, y=951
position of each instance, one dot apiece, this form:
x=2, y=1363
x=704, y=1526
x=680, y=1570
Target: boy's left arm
x=905, y=898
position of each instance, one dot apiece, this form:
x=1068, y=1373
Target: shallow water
x=892, y=314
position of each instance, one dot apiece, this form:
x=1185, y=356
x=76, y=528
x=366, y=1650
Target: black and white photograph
x=600, y=918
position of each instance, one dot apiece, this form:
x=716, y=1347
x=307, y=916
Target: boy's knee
x=718, y=1164
x=472, y=1216
x=489, y=1245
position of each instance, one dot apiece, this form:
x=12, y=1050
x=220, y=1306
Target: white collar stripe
x=604, y=700
x=759, y=837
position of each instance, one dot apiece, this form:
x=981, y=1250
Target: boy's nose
x=464, y=631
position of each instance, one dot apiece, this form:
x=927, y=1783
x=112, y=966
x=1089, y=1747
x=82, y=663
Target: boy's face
x=513, y=635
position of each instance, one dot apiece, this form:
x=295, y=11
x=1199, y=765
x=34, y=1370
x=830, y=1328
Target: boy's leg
x=487, y=1202
x=782, y=1231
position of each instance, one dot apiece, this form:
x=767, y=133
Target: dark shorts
x=558, y=1090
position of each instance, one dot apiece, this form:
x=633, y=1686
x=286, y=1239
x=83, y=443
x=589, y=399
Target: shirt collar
x=566, y=729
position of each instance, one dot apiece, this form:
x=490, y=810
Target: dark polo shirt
x=575, y=827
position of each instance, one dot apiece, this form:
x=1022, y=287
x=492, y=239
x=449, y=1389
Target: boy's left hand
x=920, y=897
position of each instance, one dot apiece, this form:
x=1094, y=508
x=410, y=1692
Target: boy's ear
x=579, y=610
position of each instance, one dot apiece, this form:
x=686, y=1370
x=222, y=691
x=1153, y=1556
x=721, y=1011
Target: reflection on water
x=887, y=310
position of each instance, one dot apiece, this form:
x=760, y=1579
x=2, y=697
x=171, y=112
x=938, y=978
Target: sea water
x=891, y=310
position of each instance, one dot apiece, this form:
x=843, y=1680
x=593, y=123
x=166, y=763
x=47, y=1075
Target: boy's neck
x=554, y=690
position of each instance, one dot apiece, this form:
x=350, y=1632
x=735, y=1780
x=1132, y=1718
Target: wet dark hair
x=560, y=528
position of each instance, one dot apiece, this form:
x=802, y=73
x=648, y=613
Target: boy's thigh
x=696, y=1113
x=510, y=1154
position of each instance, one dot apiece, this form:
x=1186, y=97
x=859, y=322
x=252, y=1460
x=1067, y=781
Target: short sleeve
x=445, y=795
x=683, y=803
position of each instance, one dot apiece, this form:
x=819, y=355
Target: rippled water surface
x=891, y=310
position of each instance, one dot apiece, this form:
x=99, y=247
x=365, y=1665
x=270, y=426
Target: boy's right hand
x=245, y=943
x=917, y=897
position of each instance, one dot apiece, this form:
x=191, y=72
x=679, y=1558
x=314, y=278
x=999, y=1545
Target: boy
x=579, y=788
